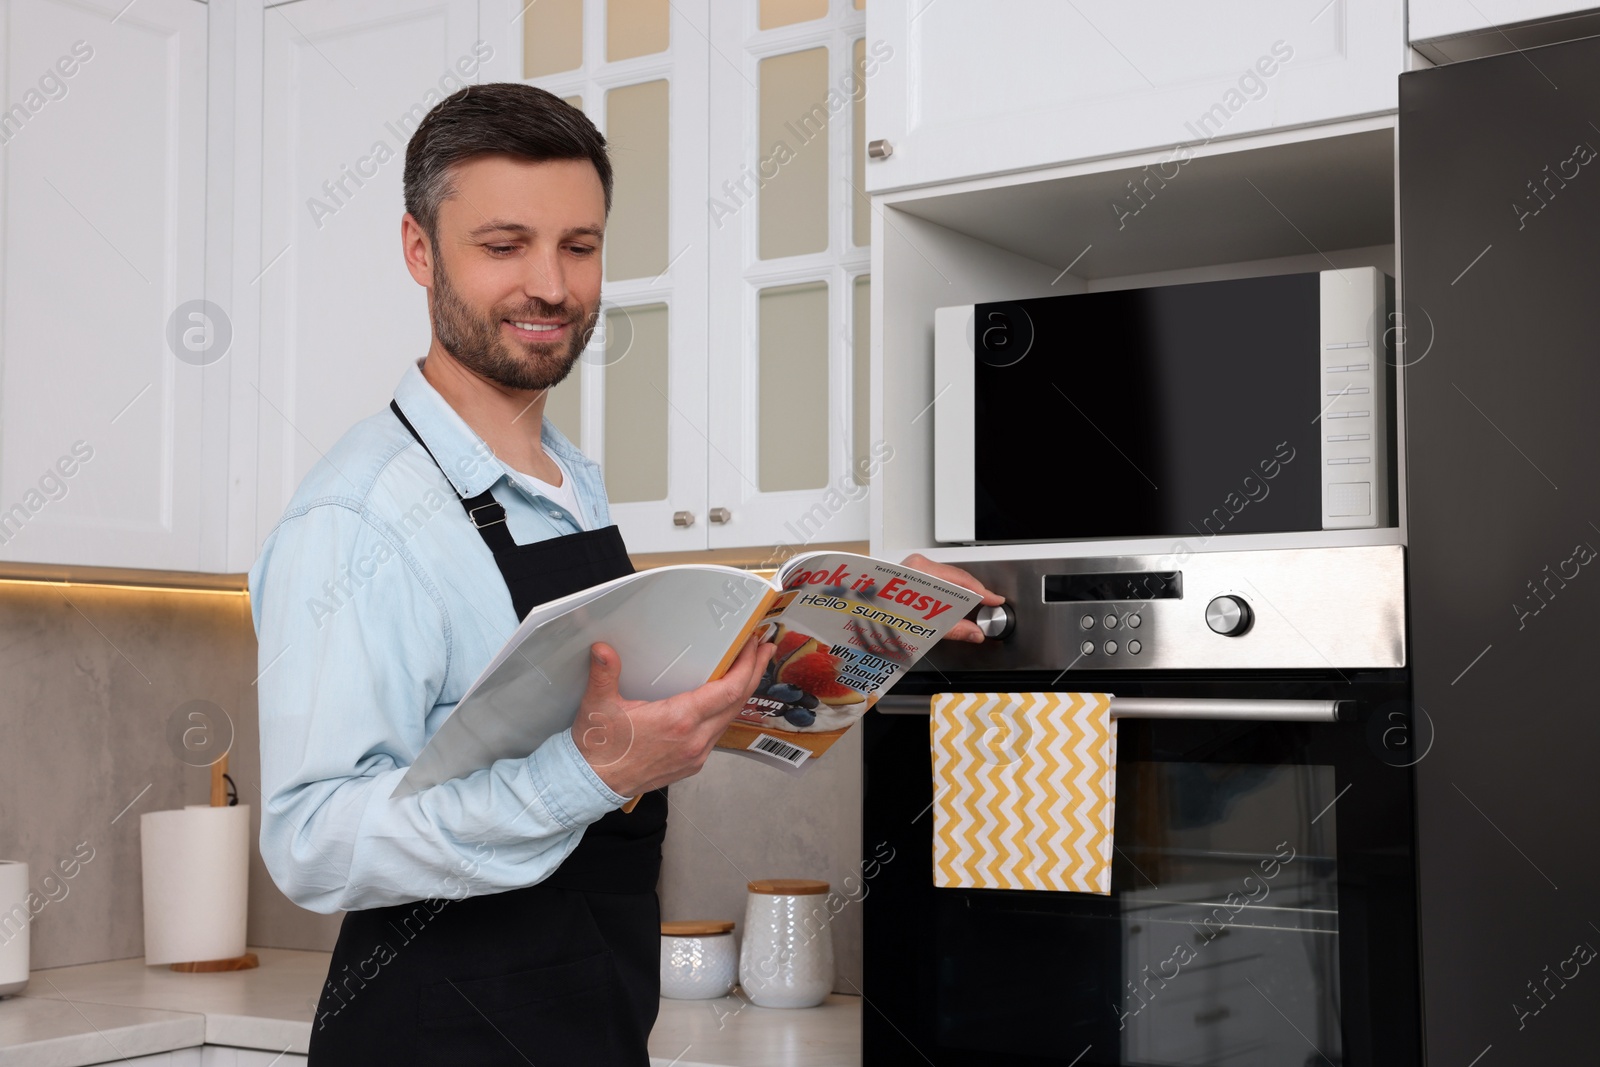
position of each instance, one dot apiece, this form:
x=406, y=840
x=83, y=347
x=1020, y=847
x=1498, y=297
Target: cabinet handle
x=719, y=515
x=683, y=518
x=880, y=149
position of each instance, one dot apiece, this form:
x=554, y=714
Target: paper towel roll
x=14, y=922
x=196, y=874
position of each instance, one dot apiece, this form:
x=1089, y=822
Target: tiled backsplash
x=92, y=676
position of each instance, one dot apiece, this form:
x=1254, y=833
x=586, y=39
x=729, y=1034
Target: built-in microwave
x=1254, y=405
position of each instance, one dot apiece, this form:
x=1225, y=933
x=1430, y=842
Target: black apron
x=563, y=972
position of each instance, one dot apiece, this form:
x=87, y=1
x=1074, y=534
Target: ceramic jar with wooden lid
x=698, y=960
x=787, y=957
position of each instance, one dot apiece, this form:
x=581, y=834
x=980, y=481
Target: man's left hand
x=966, y=629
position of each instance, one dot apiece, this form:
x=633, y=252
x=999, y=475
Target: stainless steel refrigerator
x=1500, y=247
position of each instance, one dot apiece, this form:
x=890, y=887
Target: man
x=510, y=916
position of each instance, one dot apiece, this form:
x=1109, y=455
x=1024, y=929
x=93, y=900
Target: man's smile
x=537, y=329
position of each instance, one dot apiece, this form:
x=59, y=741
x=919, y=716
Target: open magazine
x=846, y=627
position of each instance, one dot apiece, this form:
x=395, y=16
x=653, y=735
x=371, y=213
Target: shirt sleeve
x=354, y=654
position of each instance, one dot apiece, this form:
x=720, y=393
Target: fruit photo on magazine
x=801, y=690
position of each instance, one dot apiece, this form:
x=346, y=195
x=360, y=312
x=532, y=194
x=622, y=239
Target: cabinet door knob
x=880, y=149
x=683, y=518
x=719, y=515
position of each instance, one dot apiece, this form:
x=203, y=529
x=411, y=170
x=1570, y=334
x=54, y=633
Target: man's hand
x=639, y=745
x=966, y=629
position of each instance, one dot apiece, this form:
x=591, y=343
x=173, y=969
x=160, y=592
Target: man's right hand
x=639, y=745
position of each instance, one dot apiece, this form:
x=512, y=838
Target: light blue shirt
x=376, y=603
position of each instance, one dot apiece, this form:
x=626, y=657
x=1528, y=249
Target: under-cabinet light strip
x=131, y=586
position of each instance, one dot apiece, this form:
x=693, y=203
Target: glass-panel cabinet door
x=789, y=258
x=636, y=402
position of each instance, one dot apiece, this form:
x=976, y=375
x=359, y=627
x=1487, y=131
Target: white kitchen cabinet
x=345, y=83
x=109, y=366
x=1447, y=18
x=261, y=170
x=637, y=401
x=966, y=88
x=729, y=407
x=790, y=239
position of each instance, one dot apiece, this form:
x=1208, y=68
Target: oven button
x=1134, y=648
x=1111, y=648
x=1087, y=622
x=1228, y=615
x=1133, y=621
x=1086, y=648
x=1111, y=622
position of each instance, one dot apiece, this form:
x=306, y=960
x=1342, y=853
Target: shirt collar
x=463, y=456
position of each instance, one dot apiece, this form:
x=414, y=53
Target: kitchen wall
x=91, y=678
x=739, y=820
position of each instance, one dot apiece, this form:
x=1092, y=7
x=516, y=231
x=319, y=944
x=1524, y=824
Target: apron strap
x=487, y=515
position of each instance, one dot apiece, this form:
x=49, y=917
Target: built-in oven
x=1262, y=910
x=1251, y=405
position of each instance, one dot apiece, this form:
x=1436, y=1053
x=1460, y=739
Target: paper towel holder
x=237, y=963
x=221, y=788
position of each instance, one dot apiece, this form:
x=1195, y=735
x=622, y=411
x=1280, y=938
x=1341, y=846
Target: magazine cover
x=846, y=627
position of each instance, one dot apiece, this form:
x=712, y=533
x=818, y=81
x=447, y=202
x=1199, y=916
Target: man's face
x=516, y=270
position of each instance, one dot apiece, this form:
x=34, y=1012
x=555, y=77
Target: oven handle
x=1173, y=708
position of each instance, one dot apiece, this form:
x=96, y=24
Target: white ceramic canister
x=786, y=960
x=698, y=960
x=14, y=919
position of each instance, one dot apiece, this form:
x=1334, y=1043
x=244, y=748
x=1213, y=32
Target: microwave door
x=1256, y=405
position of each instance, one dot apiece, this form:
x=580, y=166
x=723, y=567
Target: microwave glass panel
x=1184, y=411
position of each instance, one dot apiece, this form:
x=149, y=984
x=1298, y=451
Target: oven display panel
x=1130, y=585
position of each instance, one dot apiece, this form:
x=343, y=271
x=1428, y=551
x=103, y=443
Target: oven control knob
x=1228, y=615
x=996, y=622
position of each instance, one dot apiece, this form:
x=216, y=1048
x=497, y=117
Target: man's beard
x=478, y=345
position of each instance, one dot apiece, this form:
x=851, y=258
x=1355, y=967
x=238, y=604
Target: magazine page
x=846, y=628
x=538, y=616
x=674, y=628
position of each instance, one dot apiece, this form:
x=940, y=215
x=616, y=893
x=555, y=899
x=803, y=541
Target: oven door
x=1263, y=902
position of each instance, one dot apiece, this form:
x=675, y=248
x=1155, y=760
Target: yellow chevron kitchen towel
x=1024, y=791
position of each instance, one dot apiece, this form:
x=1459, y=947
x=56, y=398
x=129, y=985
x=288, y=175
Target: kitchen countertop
x=104, y=1012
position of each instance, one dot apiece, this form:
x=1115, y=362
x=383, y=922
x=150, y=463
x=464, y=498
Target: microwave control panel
x=1354, y=405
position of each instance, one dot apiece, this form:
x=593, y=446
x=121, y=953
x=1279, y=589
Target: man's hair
x=499, y=118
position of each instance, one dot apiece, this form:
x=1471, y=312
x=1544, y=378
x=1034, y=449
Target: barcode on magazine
x=768, y=745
